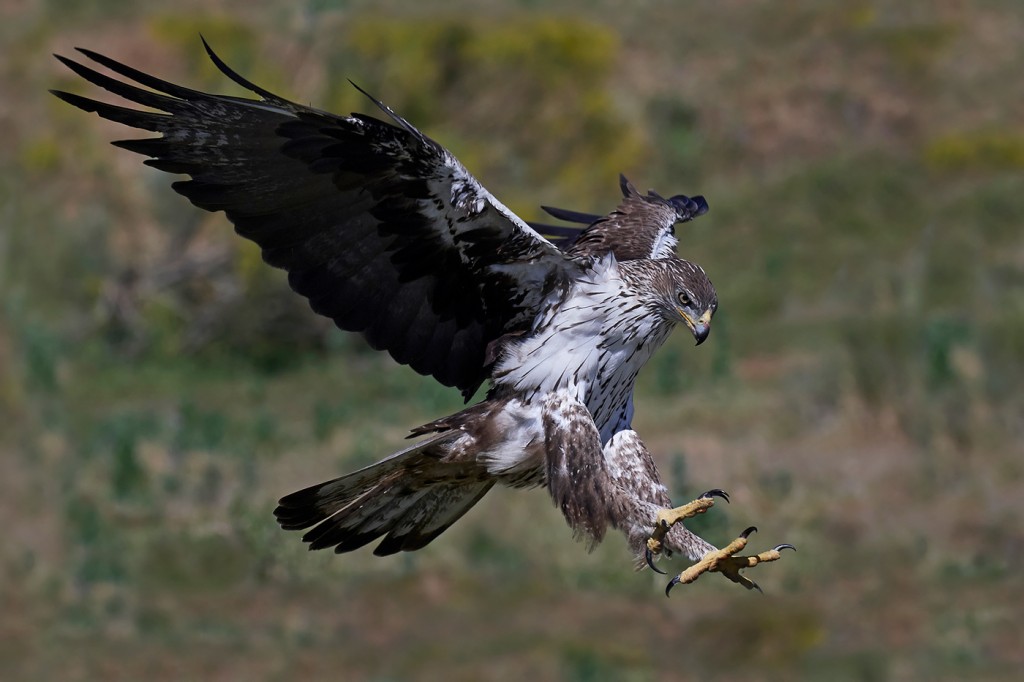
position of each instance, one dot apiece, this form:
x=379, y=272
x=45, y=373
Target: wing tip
x=626, y=186
x=689, y=208
x=405, y=125
x=571, y=216
x=83, y=103
x=235, y=76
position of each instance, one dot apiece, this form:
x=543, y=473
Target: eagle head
x=684, y=294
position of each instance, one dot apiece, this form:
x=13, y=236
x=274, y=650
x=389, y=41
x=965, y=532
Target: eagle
x=386, y=233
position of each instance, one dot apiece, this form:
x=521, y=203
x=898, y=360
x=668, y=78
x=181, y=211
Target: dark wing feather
x=643, y=226
x=571, y=216
x=561, y=236
x=564, y=236
x=381, y=228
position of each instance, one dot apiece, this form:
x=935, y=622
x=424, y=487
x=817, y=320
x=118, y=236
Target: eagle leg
x=725, y=562
x=670, y=517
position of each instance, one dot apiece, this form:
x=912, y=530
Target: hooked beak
x=700, y=327
x=701, y=331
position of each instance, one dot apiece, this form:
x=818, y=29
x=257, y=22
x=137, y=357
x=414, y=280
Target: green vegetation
x=160, y=387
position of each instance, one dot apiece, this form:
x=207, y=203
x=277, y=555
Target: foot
x=725, y=562
x=670, y=517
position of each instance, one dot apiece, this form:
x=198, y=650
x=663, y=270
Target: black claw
x=779, y=548
x=649, y=556
x=716, y=492
x=671, y=583
x=747, y=532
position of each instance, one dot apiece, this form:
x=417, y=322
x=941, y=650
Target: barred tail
x=410, y=498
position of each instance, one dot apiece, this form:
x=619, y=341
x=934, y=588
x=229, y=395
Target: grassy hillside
x=160, y=387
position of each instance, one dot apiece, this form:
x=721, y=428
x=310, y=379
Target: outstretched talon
x=670, y=517
x=723, y=561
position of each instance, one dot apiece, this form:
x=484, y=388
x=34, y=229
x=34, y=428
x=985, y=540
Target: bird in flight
x=386, y=233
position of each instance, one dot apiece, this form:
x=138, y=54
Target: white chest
x=593, y=344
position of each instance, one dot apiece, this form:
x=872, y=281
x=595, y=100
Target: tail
x=410, y=498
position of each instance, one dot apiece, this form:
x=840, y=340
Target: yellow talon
x=669, y=517
x=723, y=561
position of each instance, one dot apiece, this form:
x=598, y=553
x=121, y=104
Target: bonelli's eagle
x=386, y=233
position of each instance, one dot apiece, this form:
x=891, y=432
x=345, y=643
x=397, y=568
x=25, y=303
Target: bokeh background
x=860, y=396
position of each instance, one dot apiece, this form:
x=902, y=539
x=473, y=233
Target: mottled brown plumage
x=642, y=226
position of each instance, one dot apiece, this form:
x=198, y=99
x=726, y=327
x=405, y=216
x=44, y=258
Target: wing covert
x=642, y=226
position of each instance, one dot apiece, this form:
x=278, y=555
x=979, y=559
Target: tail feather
x=310, y=506
x=443, y=505
x=410, y=497
x=360, y=525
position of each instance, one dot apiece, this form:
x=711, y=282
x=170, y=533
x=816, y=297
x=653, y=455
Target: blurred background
x=860, y=396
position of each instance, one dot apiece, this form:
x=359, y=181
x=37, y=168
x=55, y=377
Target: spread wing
x=643, y=226
x=381, y=228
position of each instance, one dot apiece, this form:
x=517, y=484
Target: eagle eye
x=684, y=299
